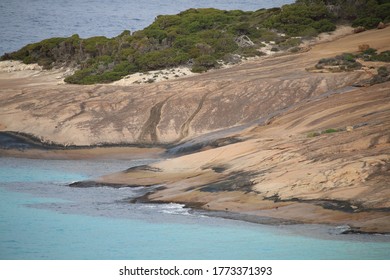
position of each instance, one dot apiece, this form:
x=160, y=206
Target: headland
x=281, y=136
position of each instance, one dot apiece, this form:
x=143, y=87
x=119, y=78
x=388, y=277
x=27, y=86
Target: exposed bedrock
x=163, y=113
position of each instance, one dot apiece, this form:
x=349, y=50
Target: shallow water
x=26, y=21
x=42, y=218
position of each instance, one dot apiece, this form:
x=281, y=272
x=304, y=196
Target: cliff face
x=281, y=141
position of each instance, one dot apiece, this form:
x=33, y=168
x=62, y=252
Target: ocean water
x=42, y=218
x=27, y=21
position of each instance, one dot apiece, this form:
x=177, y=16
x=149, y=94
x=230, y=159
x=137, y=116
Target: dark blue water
x=27, y=21
x=42, y=218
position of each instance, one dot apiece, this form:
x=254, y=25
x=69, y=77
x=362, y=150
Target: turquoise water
x=42, y=218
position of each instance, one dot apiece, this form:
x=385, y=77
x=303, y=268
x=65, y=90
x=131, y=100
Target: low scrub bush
x=203, y=63
x=344, y=62
x=318, y=133
x=203, y=36
x=367, y=22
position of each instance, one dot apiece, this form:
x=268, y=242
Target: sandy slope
x=275, y=167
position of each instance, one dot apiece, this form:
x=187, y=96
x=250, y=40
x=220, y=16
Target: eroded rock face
x=166, y=112
x=171, y=111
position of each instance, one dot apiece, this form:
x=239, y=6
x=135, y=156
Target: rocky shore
x=265, y=140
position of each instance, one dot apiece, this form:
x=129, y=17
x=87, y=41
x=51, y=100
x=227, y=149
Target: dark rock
x=93, y=184
x=143, y=168
x=240, y=181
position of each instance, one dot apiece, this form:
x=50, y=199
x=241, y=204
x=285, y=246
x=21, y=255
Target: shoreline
x=23, y=145
x=133, y=153
x=200, y=208
x=327, y=166
x=339, y=229
x=257, y=219
x=123, y=152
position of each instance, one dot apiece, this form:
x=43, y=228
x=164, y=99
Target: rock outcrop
x=264, y=138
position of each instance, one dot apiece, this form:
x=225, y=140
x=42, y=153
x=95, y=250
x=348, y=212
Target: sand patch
x=154, y=76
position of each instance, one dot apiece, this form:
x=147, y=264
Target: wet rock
x=93, y=184
x=342, y=229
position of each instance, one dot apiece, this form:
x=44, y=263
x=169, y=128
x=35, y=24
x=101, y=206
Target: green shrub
x=330, y=130
x=383, y=72
x=250, y=52
x=206, y=61
x=198, y=69
x=346, y=62
x=41, y=51
x=242, y=28
x=372, y=55
x=203, y=36
x=220, y=41
x=296, y=18
x=323, y=25
x=161, y=59
x=383, y=56
x=164, y=22
x=185, y=42
x=79, y=76
x=290, y=43
x=383, y=11
x=308, y=32
x=318, y=133
x=367, y=22
x=370, y=51
x=94, y=44
x=74, y=40
x=313, y=134
x=156, y=34
x=381, y=77
x=125, y=68
x=348, y=57
x=28, y=60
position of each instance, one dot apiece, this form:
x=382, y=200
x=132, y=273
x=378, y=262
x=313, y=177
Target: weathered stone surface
x=165, y=112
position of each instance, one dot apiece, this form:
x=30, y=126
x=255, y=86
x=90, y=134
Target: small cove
x=42, y=218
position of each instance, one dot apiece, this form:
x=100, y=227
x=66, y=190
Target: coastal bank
x=266, y=138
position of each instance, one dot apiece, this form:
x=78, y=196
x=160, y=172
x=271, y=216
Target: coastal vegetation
x=199, y=38
x=350, y=62
x=326, y=131
x=344, y=62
